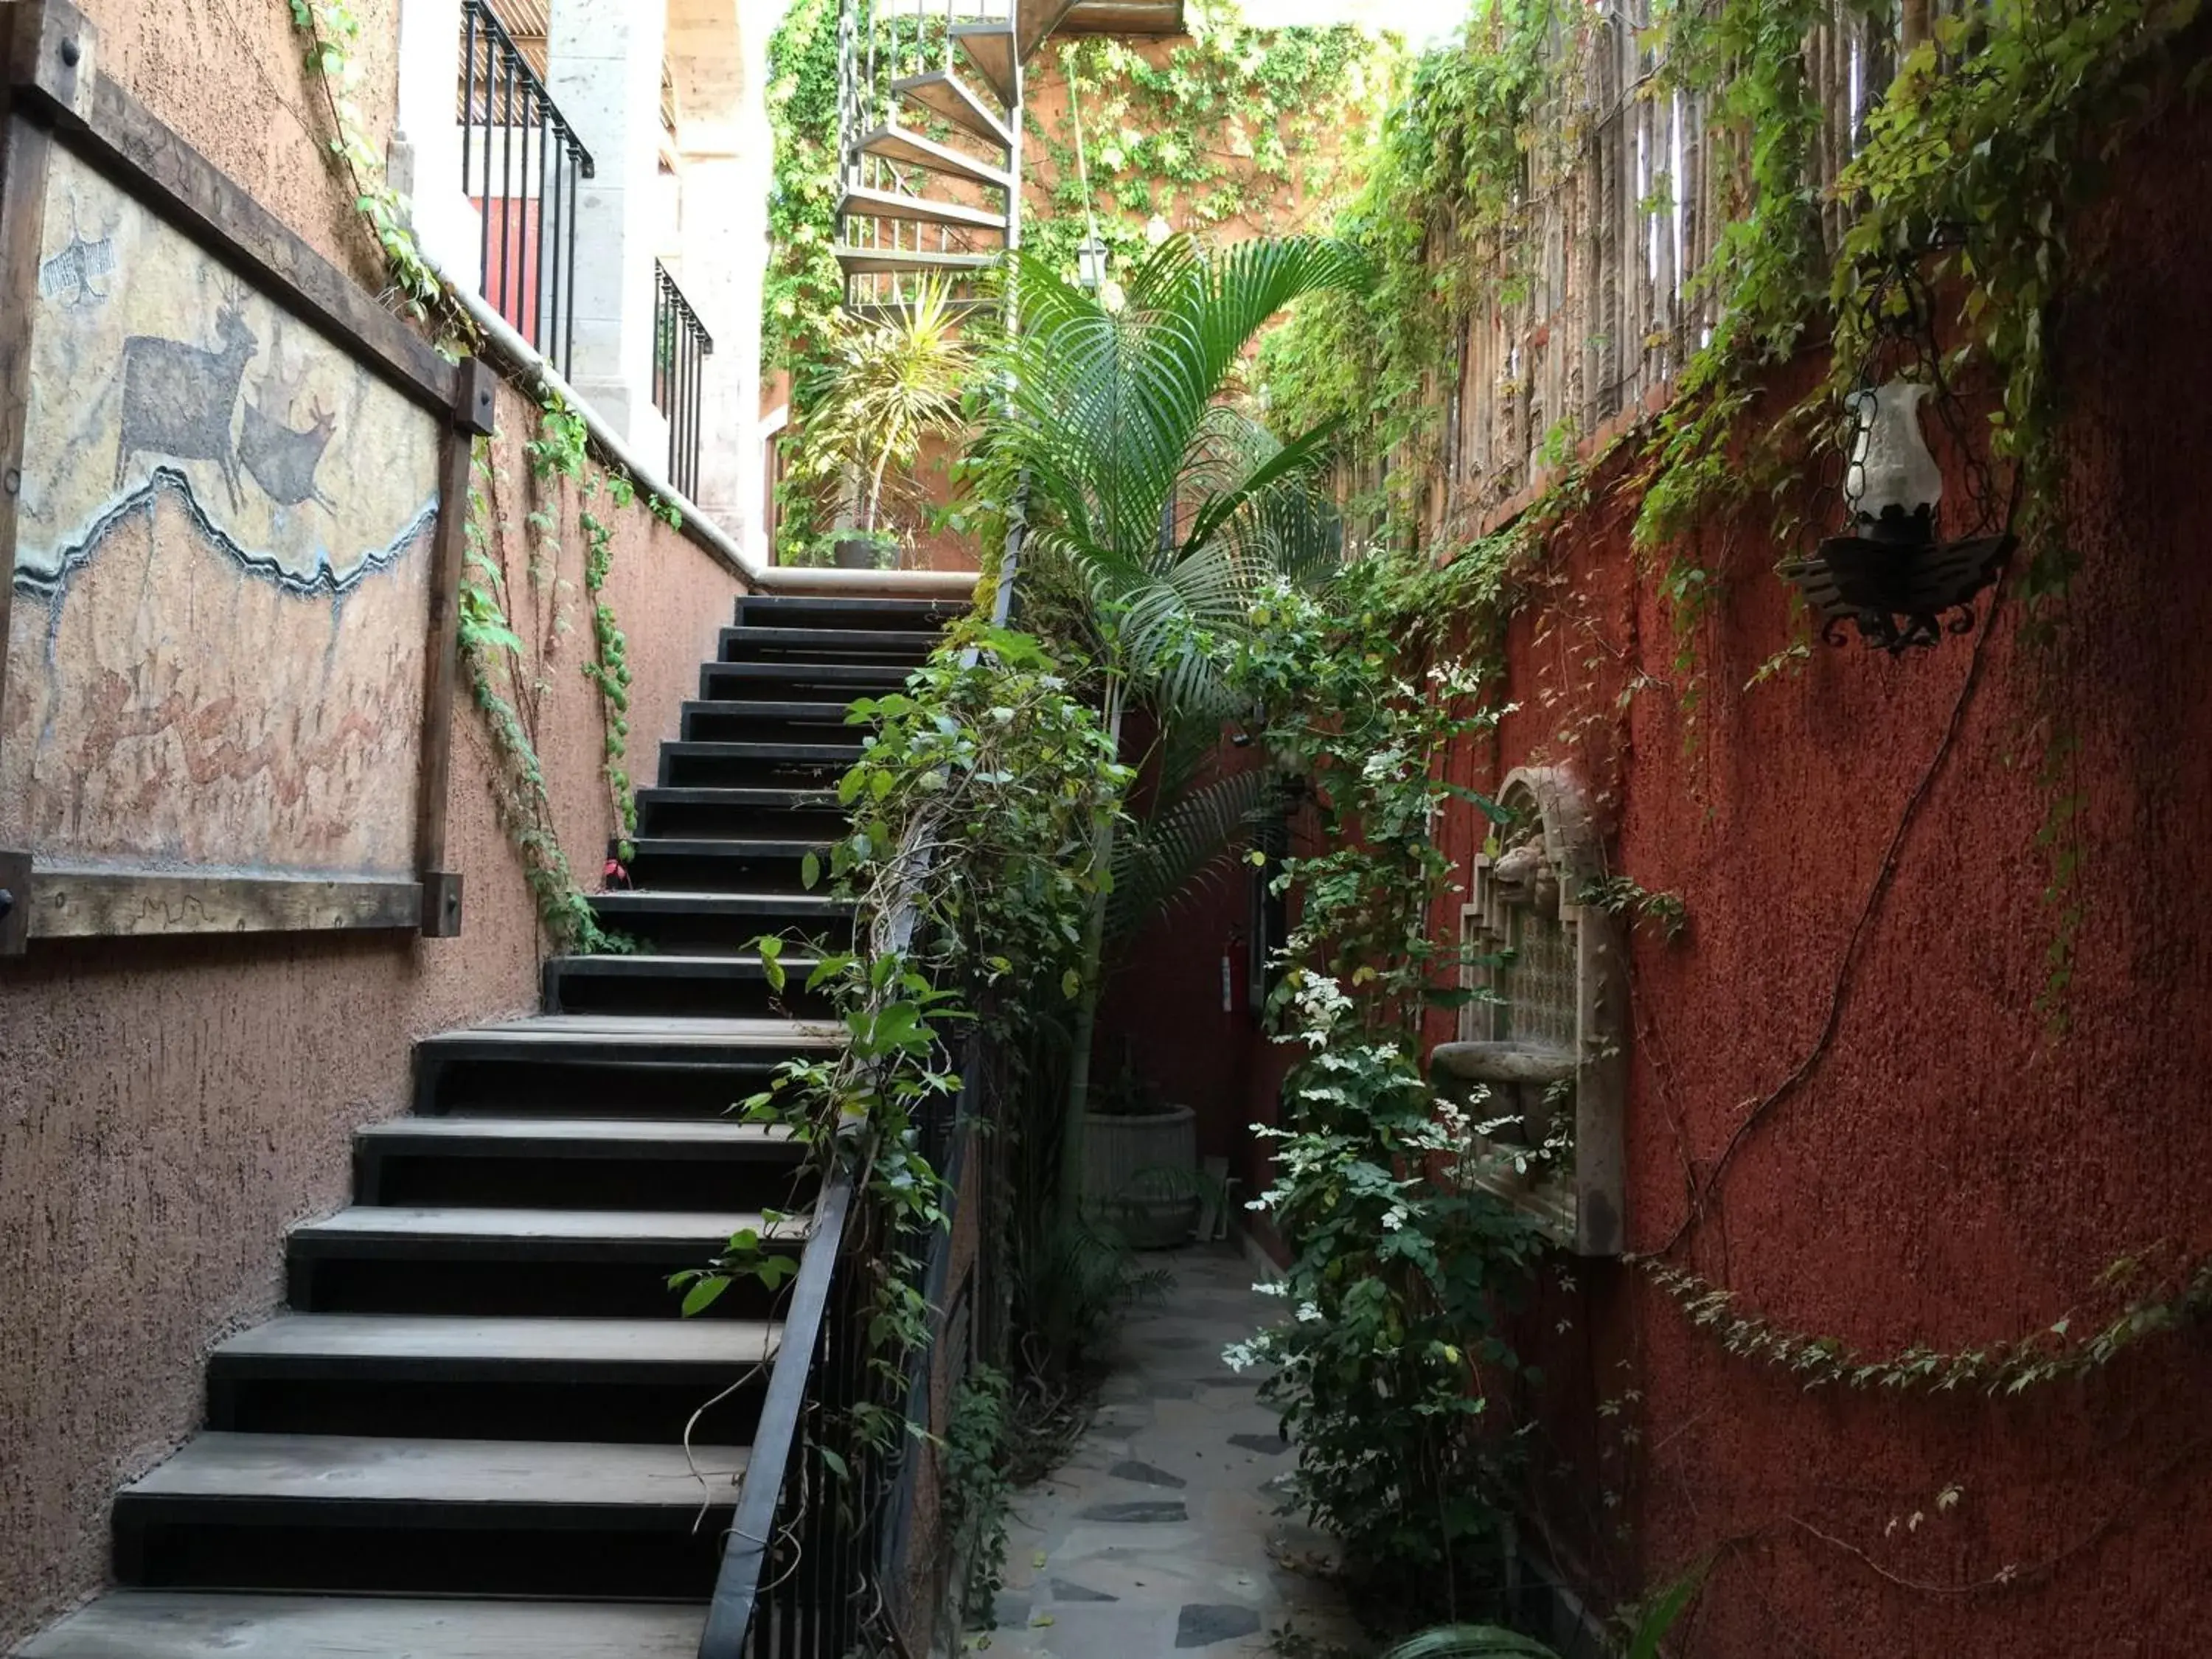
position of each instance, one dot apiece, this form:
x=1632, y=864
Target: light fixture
x=1091, y=262
x=1892, y=574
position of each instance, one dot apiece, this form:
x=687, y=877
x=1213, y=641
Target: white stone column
x=604, y=62
x=446, y=221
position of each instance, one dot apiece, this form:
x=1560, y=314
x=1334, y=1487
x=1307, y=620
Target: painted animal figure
x=178, y=399
x=282, y=460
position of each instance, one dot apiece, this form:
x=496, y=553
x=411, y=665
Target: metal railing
x=522, y=166
x=883, y=44
x=805, y=1549
x=681, y=346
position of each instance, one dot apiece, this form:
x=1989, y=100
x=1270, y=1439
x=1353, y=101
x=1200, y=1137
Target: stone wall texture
x=168, y=1107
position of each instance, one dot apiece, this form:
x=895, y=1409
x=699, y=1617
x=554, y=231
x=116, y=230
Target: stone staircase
x=463, y=1438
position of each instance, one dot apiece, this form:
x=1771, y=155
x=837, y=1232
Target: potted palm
x=891, y=381
x=1170, y=507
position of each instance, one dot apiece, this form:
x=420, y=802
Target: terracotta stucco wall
x=169, y=1106
x=1955, y=1172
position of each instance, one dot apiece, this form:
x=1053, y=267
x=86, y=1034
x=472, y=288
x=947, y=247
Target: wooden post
x=476, y=401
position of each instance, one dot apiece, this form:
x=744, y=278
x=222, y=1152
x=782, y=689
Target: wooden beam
x=85, y=904
x=112, y=130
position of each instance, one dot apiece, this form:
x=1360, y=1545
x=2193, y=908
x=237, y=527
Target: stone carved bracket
x=1561, y=1018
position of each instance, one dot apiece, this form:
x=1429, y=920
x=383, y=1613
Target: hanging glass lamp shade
x=1893, y=484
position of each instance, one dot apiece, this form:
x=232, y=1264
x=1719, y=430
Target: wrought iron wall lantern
x=1894, y=573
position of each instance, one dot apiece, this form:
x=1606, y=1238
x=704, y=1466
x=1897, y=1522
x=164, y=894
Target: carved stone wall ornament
x=1547, y=1041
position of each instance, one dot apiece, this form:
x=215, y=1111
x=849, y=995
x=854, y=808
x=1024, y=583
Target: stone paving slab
x=1161, y=1538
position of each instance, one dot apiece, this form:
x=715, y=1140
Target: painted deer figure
x=178, y=399
x=282, y=460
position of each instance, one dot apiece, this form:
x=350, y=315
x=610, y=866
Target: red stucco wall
x=1956, y=1171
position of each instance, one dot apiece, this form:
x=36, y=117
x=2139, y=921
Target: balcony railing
x=522, y=166
x=681, y=345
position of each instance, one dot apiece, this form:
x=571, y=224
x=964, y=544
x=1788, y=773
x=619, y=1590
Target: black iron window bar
x=681, y=345
x=510, y=126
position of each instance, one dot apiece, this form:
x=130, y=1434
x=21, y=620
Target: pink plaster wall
x=169, y=1106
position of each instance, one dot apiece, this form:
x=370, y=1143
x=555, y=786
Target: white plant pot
x=1140, y=1174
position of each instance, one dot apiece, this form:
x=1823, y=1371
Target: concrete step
x=595, y=1264
x=445, y=1376
x=559, y=1163
x=732, y=985
x=680, y=922
x=871, y=647
x=759, y=765
x=132, y=1624
x=482, y=1518
x=725, y=864
x=588, y=1065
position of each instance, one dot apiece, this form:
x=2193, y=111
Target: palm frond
x=1194, y=834
x=1471, y=1642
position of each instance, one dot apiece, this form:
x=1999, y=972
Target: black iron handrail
x=681, y=345
x=775, y=1482
x=528, y=273
x=806, y=1609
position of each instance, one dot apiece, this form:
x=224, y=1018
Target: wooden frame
x=52, y=92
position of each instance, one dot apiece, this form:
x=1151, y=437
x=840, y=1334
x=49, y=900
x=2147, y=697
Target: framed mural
x=231, y=521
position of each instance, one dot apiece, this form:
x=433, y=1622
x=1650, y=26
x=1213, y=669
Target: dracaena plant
x=1162, y=506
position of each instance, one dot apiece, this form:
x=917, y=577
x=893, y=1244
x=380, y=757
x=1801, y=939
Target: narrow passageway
x=1161, y=1532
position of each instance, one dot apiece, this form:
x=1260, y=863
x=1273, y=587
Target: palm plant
x=1167, y=506
x=887, y=387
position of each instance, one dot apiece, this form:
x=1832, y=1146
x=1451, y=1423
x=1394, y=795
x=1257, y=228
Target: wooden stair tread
x=319, y=1469
x=661, y=900
x=818, y=711
x=895, y=641
x=903, y=144
x=372, y=1223
x=580, y=1136
x=946, y=95
x=129, y=1624
x=381, y=1344
x=724, y=847
x=990, y=49
x=662, y=964
x=701, y=1031
x=875, y=261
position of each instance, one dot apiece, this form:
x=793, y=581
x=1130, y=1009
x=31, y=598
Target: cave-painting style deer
x=279, y=457
x=178, y=399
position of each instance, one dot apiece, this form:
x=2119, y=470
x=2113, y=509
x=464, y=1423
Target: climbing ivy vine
x=1237, y=129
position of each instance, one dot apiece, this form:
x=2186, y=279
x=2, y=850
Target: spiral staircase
x=930, y=131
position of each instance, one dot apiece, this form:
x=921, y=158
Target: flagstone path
x=1160, y=1536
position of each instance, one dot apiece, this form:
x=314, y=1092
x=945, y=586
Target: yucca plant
x=1167, y=506
x=887, y=386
